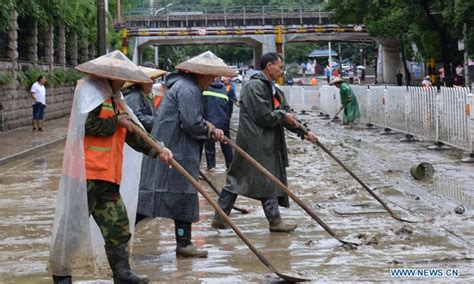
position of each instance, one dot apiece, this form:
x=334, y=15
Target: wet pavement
x=441, y=239
x=23, y=141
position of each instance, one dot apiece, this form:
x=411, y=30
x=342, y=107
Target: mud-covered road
x=441, y=239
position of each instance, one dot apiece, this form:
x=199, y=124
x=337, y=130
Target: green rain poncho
x=349, y=101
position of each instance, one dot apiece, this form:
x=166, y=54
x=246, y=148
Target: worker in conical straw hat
x=179, y=123
x=91, y=174
x=139, y=97
x=348, y=101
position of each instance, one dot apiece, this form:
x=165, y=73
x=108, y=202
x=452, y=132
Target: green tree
x=434, y=25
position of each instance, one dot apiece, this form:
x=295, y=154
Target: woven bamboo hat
x=336, y=80
x=206, y=63
x=152, y=73
x=115, y=66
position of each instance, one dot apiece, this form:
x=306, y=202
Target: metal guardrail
x=301, y=98
x=186, y=16
x=443, y=116
x=454, y=118
x=218, y=10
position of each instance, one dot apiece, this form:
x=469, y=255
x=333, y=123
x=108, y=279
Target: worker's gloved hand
x=310, y=136
x=167, y=156
x=218, y=135
x=124, y=121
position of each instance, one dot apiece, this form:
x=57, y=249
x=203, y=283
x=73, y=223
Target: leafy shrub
x=61, y=77
x=28, y=77
x=6, y=77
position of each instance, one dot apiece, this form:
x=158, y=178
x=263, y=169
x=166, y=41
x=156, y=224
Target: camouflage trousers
x=108, y=210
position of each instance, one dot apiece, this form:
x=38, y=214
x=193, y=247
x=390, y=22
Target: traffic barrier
x=377, y=105
x=421, y=112
x=362, y=94
x=446, y=116
x=330, y=100
x=455, y=118
x=312, y=97
x=294, y=96
x=395, y=109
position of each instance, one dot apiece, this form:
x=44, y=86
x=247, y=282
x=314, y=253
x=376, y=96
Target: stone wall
x=16, y=110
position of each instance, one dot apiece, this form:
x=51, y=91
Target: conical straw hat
x=206, y=63
x=115, y=66
x=152, y=73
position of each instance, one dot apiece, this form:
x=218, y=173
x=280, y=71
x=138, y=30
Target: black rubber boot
x=270, y=207
x=226, y=200
x=119, y=263
x=62, y=279
x=184, y=246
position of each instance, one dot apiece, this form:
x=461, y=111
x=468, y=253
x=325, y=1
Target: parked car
x=235, y=68
x=289, y=80
x=237, y=79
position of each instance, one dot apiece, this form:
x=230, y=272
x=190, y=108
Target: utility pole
x=466, y=59
x=329, y=55
x=119, y=12
x=101, y=28
x=157, y=56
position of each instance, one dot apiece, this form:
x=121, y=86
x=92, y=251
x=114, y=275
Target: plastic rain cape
x=77, y=246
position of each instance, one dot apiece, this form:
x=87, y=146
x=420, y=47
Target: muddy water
x=442, y=239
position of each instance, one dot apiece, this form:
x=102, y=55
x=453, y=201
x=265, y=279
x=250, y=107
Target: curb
x=30, y=151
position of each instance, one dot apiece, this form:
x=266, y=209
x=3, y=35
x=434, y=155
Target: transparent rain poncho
x=77, y=246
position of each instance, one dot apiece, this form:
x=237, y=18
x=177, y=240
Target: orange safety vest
x=156, y=101
x=276, y=102
x=104, y=154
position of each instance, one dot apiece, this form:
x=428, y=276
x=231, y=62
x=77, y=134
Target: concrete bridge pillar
x=388, y=61
x=265, y=43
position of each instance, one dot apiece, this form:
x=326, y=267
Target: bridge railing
x=442, y=116
x=228, y=15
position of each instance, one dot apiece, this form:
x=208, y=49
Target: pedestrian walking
x=359, y=75
x=264, y=113
x=426, y=83
x=327, y=73
x=442, y=76
x=399, y=77
x=348, y=101
x=38, y=93
x=139, y=97
x=351, y=76
x=459, y=70
x=180, y=125
x=303, y=69
x=218, y=107
x=92, y=171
